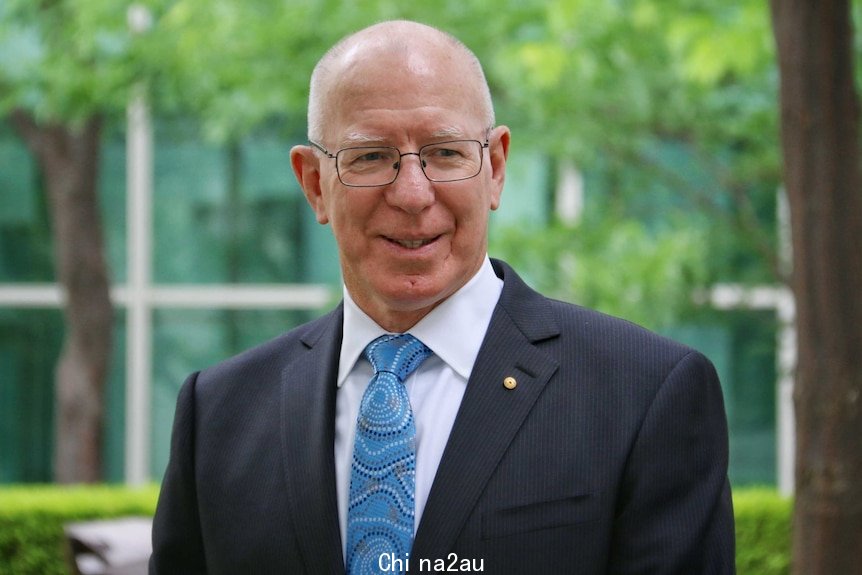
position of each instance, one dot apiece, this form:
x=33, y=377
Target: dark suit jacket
x=609, y=456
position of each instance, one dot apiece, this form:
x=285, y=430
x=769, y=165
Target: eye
x=443, y=152
x=366, y=158
x=373, y=156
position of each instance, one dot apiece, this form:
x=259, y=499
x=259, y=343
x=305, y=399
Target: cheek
x=472, y=228
x=474, y=211
x=348, y=220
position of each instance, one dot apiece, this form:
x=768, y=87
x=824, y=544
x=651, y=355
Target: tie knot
x=398, y=354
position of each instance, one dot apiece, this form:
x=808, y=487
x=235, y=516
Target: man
x=538, y=436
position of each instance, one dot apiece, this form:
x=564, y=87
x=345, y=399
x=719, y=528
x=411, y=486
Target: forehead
x=386, y=88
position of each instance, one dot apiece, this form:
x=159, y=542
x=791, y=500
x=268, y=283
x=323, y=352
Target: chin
x=416, y=296
x=414, y=300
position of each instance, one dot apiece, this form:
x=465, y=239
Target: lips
x=412, y=244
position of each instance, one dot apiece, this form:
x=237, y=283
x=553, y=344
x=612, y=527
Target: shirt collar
x=454, y=330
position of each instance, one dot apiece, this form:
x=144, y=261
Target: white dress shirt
x=454, y=331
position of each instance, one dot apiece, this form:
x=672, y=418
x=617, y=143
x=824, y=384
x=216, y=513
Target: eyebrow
x=363, y=139
x=358, y=138
x=448, y=132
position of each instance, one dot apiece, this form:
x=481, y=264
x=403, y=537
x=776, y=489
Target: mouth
x=413, y=244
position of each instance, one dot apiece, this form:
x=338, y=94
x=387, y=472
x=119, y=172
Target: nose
x=411, y=191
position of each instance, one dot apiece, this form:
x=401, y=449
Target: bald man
x=534, y=436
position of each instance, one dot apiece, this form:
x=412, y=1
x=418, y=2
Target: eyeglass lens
x=378, y=166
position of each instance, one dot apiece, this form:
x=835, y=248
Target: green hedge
x=32, y=519
x=763, y=522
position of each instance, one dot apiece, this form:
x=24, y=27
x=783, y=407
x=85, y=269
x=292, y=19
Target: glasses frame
x=482, y=146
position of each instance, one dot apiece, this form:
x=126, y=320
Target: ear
x=306, y=167
x=498, y=152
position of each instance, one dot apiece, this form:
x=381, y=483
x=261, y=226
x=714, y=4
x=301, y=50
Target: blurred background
x=644, y=180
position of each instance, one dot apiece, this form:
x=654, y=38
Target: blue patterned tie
x=380, y=512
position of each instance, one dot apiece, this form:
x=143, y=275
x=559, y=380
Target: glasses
x=369, y=166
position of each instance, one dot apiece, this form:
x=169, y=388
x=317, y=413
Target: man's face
x=406, y=246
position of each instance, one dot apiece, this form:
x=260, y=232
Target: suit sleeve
x=177, y=541
x=674, y=514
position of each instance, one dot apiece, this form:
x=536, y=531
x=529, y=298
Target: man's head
x=407, y=245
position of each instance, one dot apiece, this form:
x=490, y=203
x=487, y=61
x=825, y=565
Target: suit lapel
x=490, y=413
x=308, y=423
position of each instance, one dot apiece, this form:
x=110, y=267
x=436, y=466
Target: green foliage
x=600, y=84
x=763, y=527
x=618, y=267
x=68, y=60
x=32, y=520
x=234, y=65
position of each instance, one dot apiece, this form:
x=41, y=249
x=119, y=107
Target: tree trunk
x=820, y=142
x=69, y=161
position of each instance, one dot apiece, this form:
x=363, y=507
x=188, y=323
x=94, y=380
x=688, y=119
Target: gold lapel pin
x=510, y=383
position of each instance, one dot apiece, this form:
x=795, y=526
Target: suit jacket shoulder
x=574, y=331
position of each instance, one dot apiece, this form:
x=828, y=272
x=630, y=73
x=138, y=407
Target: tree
x=820, y=143
x=68, y=157
x=48, y=100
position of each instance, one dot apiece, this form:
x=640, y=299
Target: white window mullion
x=139, y=186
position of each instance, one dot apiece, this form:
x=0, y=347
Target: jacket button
x=510, y=383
